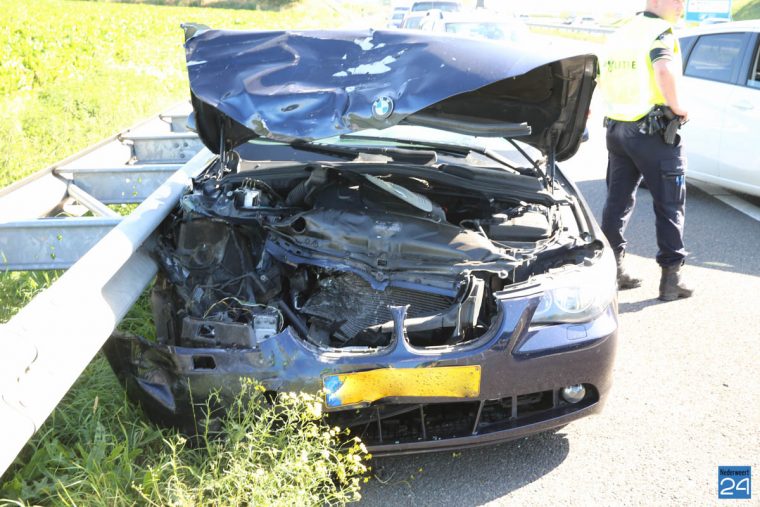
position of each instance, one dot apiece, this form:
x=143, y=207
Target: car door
x=740, y=139
x=710, y=71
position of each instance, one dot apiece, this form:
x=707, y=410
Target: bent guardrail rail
x=573, y=28
x=46, y=346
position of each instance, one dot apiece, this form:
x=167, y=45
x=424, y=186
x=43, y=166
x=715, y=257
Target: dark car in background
x=385, y=223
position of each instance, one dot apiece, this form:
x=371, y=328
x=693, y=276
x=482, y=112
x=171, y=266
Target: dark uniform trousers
x=631, y=156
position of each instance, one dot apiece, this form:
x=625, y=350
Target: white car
x=421, y=20
x=397, y=17
x=419, y=12
x=482, y=25
x=721, y=90
x=445, y=5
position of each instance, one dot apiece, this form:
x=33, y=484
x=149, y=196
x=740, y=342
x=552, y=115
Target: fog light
x=574, y=394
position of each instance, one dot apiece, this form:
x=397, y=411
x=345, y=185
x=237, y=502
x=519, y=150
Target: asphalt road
x=685, y=398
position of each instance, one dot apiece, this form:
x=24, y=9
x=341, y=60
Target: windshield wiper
x=453, y=148
x=351, y=153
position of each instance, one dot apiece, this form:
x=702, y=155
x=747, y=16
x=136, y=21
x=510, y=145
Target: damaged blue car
x=385, y=223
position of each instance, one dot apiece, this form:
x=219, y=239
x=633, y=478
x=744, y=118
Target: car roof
x=435, y=3
x=458, y=2
x=751, y=25
x=415, y=14
x=480, y=17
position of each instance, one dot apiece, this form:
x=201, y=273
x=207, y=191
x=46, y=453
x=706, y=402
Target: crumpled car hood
x=305, y=85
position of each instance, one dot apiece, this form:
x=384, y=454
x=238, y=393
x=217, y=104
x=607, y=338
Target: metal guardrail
x=573, y=28
x=46, y=346
x=50, y=219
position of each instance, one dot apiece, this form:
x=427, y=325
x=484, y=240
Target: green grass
x=17, y=289
x=72, y=73
x=219, y=4
x=745, y=9
x=97, y=450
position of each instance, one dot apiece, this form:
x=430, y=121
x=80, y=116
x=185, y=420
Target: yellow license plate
x=372, y=385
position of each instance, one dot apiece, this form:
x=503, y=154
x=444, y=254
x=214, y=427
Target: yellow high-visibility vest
x=626, y=74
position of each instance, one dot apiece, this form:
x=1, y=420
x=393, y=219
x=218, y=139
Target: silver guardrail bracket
x=48, y=343
x=124, y=184
x=172, y=148
x=44, y=219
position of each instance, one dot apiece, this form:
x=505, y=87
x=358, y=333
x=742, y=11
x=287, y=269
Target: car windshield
x=444, y=6
x=413, y=22
x=493, y=31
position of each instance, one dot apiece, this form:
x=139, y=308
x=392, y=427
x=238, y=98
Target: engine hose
x=296, y=321
x=300, y=192
x=297, y=195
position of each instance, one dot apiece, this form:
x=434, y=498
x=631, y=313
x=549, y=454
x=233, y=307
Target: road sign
x=701, y=10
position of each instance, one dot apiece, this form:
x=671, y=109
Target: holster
x=661, y=120
x=674, y=123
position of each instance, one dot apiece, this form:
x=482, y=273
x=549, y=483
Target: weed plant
x=97, y=450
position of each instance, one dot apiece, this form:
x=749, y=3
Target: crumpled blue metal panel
x=316, y=84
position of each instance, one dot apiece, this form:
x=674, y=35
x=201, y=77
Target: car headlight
x=578, y=294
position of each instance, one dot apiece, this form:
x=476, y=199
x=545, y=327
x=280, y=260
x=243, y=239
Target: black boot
x=625, y=280
x=672, y=286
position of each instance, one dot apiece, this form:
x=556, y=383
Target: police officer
x=638, y=76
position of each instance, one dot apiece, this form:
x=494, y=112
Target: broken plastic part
x=460, y=316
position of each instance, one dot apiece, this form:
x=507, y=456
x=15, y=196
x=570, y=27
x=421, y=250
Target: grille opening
x=406, y=427
x=204, y=363
x=450, y=420
x=528, y=404
x=345, y=306
x=495, y=411
x=407, y=423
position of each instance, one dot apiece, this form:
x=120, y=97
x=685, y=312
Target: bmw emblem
x=382, y=107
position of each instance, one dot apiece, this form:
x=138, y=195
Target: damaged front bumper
x=504, y=385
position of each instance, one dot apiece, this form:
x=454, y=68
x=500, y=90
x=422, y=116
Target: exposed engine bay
x=329, y=250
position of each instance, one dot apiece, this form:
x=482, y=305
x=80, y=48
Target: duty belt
x=639, y=123
x=660, y=120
